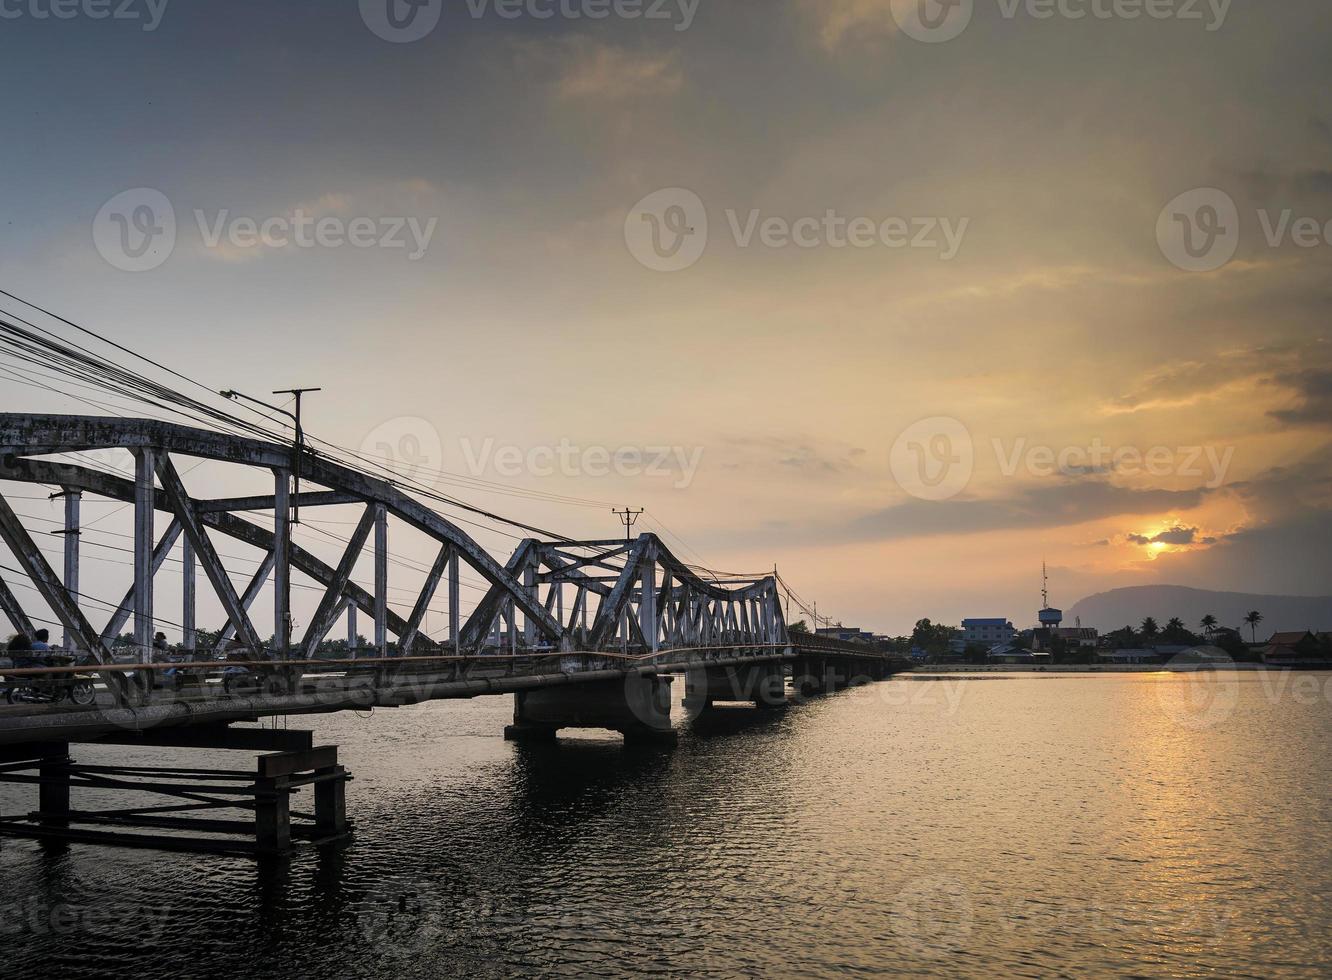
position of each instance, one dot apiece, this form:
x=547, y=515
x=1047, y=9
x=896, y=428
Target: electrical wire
x=40, y=348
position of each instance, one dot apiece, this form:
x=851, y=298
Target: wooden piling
x=264, y=793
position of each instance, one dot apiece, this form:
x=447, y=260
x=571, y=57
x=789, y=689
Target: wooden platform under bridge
x=193, y=798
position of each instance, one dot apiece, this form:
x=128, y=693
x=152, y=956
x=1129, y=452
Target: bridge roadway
x=814, y=665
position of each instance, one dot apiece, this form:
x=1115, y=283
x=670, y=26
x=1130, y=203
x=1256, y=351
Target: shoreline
x=1093, y=668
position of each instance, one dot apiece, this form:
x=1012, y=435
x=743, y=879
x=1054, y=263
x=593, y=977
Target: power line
x=83, y=363
x=40, y=347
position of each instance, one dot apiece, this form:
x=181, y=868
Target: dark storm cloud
x=1290, y=509
x=1065, y=503
x=1316, y=181
x=1280, y=549
x=1050, y=505
x=1266, y=187
x=1175, y=536
x=1314, y=390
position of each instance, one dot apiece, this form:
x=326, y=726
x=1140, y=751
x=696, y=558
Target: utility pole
x=70, y=533
x=628, y=518
x=286, y=512
x=298, y=447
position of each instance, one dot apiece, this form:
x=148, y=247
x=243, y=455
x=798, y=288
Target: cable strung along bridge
x=584, y=634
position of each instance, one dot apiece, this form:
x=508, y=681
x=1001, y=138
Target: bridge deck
x=358, y=685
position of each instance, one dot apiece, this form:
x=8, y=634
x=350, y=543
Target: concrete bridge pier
x=639, y=708
x=762, y=685
x=819, y=675
x=860, y=673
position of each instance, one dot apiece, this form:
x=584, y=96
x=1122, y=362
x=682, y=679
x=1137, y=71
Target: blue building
x=987, y=632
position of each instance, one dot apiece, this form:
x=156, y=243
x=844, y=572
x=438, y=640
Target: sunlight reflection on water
x=1021, y=825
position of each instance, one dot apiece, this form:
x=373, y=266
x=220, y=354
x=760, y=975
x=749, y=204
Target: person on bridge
x=41, y=640
x=20, y=651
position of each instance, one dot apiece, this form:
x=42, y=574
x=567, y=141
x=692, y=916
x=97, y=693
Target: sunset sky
x=778, y=377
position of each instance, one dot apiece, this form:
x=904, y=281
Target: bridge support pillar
x=638, y=707
x=53, y=794
x=818, y=675
x=272, y=815
x=330, y=799
x=762, y=685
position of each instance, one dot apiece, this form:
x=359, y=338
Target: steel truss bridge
x=583, y=633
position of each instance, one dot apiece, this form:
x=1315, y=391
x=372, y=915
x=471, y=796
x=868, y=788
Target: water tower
x=1049, y=618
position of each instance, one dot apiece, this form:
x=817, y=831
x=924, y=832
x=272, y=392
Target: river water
x=1026, y=825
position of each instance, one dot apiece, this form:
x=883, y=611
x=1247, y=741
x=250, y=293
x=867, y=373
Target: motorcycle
x=47, y=688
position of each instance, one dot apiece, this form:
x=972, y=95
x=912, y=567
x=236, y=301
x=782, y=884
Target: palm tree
x=1253, y=619
x=1149, y=627
x=1208, y=624
x=1176, y=633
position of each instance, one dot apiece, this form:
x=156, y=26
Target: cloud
x=840, y=20
x=1283, y=492
x=1299, y=374
x=806, y=458
x=1090, y=469
x=1280, y=551
x=1269, y=185
x=796, y=454
x=588, y=71
x=1313, y=388
x=1289, y=508
x=371, y=200
x=1059, y=504
x=1182, y=384
x=1175, y=536
x=1315, y=181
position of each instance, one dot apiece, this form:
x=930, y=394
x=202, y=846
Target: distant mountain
x=1124, y=607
